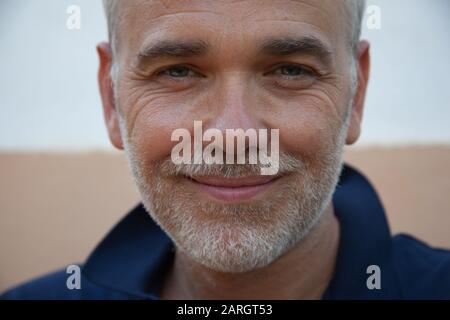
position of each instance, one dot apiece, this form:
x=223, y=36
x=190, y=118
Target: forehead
x=238, y=23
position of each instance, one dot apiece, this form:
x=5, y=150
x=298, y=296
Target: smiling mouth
x=232, y=190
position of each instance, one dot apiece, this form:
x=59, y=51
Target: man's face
x=234, y=64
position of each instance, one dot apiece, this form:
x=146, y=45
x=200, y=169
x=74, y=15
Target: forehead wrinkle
x=168, y=11
x=167, y=8
x=135, y=7
x=134, y=13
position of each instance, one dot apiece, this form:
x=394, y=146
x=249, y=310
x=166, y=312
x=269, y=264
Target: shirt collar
x=134, y=256
x=365, y=240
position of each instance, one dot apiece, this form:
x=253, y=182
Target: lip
x=231, y=190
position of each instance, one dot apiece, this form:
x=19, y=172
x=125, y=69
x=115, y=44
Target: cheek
x=151, y=118
x=308, y=128
x=150, y=134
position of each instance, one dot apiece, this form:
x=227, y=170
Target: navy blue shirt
x=132, y=260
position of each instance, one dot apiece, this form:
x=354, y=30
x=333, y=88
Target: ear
x=363, y=70
x=105, y=83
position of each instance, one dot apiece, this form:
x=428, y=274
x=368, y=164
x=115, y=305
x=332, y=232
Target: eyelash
x=166, y=71
x=303, y=71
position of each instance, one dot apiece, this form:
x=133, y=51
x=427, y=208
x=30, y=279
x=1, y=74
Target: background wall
x=62, y=186
x=49, y=97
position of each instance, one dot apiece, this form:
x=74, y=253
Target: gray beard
x=239, y=237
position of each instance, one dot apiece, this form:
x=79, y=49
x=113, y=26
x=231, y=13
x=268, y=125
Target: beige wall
x=54, y=208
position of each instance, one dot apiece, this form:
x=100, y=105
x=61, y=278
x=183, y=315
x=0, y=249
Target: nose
x=234, y=106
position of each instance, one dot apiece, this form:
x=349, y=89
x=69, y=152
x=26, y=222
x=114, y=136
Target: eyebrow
x=304, y=45
x=170, y=48
x=282, y=46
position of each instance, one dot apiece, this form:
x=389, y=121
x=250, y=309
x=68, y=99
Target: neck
x=301, y=273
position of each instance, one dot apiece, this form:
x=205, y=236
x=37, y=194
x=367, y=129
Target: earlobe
x=363, y=70
x=106, y=87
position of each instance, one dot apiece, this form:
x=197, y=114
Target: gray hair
x=110, y=7
x=355, y=11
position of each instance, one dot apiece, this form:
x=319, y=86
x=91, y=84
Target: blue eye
x=177, y=72
x=294, y=71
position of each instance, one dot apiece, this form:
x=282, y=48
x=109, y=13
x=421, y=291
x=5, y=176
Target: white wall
x=49, y=97
x=409, y=93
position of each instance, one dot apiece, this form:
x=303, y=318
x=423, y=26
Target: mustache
x=287, y=164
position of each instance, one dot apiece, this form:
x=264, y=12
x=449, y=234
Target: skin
x=235, y=86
